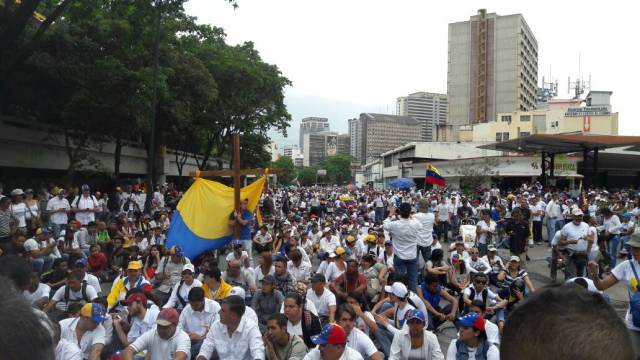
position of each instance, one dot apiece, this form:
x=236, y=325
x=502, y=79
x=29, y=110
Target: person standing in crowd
x=279, y=344
x=245, y=220
x=19, y=209
x=518, y=230
x=612, y=227
x=58, y=207
x=5, y=224
x=166, y=341
x=553, y=213
x=198, y=317
x=485, y=231
x=575, y=236
x=425, y=237
x=233, y=336
x=404, y=232
x=85, y=206
x=443, y=220
x=414, y=341
x=627, y=272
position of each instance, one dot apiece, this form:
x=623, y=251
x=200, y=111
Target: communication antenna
x=579, y=86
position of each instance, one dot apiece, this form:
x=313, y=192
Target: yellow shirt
x=223, y=291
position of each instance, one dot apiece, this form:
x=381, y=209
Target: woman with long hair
x=151, y=261
x=458, y=276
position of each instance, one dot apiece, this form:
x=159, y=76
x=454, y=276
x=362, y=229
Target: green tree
x=286, y=163
x=338, y=168
x=307, y=175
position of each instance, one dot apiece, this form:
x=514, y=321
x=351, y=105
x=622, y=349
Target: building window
x=498, y=137
x=525, y=118
x=506, y=118
x=524, y=133
x=505, y=136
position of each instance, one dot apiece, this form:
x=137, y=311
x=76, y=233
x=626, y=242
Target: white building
x=310, y=125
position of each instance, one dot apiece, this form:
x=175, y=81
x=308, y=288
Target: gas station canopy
x=562, y=143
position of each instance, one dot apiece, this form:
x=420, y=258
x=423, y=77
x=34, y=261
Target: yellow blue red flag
x=433, y=176
x=200, y=222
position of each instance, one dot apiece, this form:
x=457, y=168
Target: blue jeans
x=407, y=267
x=379, y=215
x=613, y=250
x=42, y=264
x=482, y=249
x=57, y=228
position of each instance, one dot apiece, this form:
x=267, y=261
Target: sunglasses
x=480, y=282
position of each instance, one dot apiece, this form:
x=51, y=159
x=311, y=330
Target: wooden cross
x=235, y=173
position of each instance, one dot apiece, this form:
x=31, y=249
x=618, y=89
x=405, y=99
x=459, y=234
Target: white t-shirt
x=232, y=256
x=295, y=329
x=576, y=232
x=56, y=203
x=348, y=354
x=160, y=349
x=42, y=291
x=490, y=227
x=492, y=298
x=361, y=343
x=333, y=272
x=140, y=326
x=492, y=354
x=74, y=296
x=493, y=332
x=425, y=237
x=323, y=301
x=19, y=212
x=89, y=338
x=624, y=273
x=82, y=203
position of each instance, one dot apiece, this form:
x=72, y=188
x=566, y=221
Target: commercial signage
x=588, y=111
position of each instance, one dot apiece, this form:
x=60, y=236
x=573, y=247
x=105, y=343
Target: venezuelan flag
x=200, y=222
x=433, y=176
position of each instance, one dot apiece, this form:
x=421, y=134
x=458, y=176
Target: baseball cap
x=472, y=320
x=85, y=187
x=81, y=261
x=370, y=238
x=339, y=250
x=492, y=248
x=137, y=297
x=318, y=278
x=238, y=291
x=388, y=243
x=168, y=317
x=188, y=267
x=398, y=289
x=327, y=229
x=16, y=192
x=94, y=312
x=332, y=255
x=514, y=258
x=237, y=243
x=134, y=265
x=176, y=250
x=350, y=238
x=269, y=279
x=455, y=258
x=415, y=314
x=576, y=212
x=634, y=241
x=332, y=334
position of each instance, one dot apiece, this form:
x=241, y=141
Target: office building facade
x=322, y=144
x=312, y=125
x=377, y=133
x=492, y=68
x=430, y=109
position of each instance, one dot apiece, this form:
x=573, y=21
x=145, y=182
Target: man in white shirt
x=537, y=213
x=86, y=330
x=57, y=208
x=142, y=319
x=92, y=280
x=323, y=299
x=74, y=291
x=553, y=212
x=356, y=339
x=443, y=219
x=85, y=206
x=233, y=337
x=37, y=293
x=575, y=235
x=164, y=342
x=329, y=243
x=180, y=291
x=197, y=317
x=425, y=237
x=405, y=243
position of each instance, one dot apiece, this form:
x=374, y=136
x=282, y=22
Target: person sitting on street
x=179, y=293
x=169, y=273
x=279, y=344
x=301, y=321
x=267, y=300
x=332, y=345
x=359, y=341
x=197, y=317
x=215, y=288
x=432, y=293
x=472, y=340
x=133, y=280
x=74, y=291
x=164, y=341
x=415, y=341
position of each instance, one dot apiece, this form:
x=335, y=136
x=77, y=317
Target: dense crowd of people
x=331, y=273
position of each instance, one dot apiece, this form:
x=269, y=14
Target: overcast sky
x=352, y=56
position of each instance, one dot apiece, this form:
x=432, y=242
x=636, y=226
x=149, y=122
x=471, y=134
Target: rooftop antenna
x=579, y=85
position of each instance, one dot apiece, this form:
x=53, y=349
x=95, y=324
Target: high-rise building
x=377, y=133
x=355, y=134
x=312, y=125
x=291, y=151
x=430, y=109
x=274, y=150
x=492, y=68
x=322, y=144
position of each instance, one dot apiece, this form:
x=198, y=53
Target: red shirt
x=353, y=282
x=97, y=262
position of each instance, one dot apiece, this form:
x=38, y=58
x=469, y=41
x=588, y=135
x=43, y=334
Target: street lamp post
x=154, y=100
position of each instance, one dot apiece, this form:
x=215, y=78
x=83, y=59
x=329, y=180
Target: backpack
x=67, y=293
x=183, y=302
x=634, y=300
x=472, y=296
x=460, y=347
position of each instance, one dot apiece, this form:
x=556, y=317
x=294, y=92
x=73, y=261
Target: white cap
x=576, y=212
x=327, y=229
x=189, y=267
x=238, y=291
x=515, y=258
x=398, y=289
